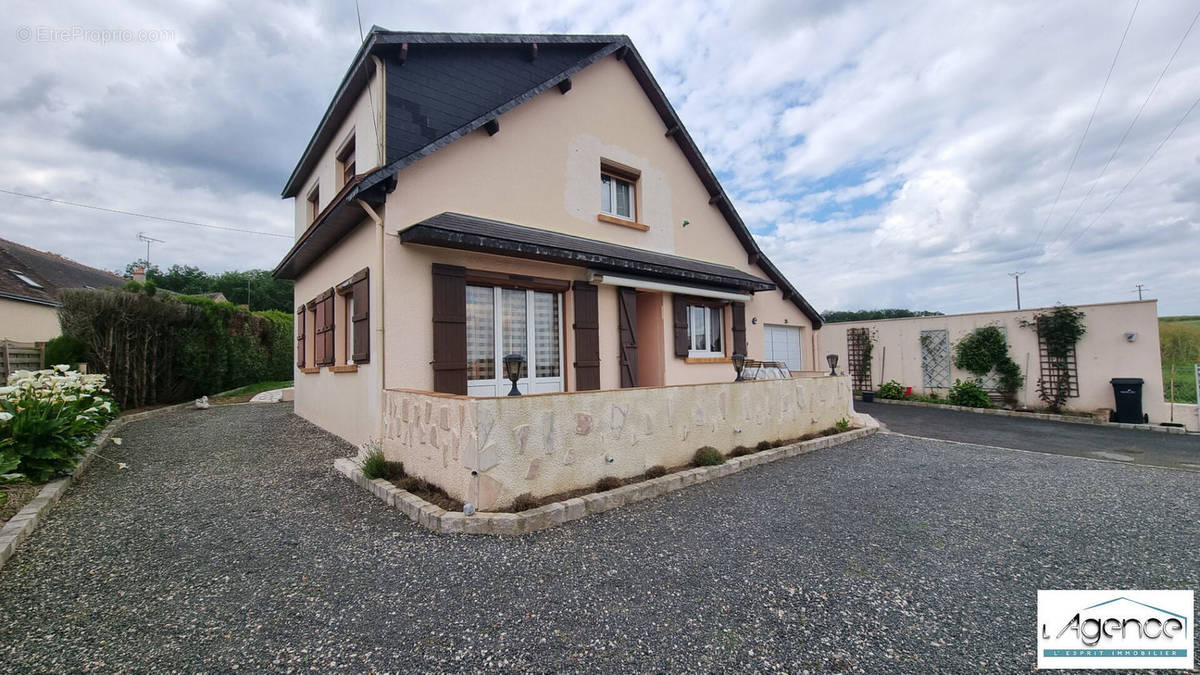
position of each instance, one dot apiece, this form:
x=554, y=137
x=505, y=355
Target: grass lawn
x=1179, y=328
x=1185, y=383
x=243, y=394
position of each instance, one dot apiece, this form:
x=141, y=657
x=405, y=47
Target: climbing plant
x=985, y=350
x=1058, y=331
x=860, y=344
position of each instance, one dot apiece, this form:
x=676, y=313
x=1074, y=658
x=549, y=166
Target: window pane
x=696, y=327
x=606, y=194
x=545, y=336
x=714, y=329
x=624, y=192
x=481, y=334
x=514, y=329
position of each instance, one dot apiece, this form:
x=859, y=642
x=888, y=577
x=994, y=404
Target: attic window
x=28, y=282
x=345, y=158
x=314, y=203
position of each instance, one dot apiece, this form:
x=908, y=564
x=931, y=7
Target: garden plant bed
x=437, y=519
x=13, y=497
x=1074, y=418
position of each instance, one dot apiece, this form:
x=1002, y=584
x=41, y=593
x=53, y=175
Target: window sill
x=310, y=371
x=348, y=368
x=624, y=222
x=708, y=359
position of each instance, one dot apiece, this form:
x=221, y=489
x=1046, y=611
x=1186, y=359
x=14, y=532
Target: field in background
x=1185, y=378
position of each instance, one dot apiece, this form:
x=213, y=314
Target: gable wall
x=541, y=170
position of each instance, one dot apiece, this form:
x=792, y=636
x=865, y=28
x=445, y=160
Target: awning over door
x=458, y=231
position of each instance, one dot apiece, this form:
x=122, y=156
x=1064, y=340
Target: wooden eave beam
x=492, y=126
x=565, y=85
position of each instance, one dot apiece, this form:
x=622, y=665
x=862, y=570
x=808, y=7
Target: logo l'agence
x=1115, y=629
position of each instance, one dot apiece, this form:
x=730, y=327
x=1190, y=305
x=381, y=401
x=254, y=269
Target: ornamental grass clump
x=48, y=418
x=708, y=456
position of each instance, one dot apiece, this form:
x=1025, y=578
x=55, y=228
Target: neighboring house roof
x=464, y=82
x=30, y=275
x=455, y=230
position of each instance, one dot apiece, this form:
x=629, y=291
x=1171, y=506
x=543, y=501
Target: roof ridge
x=57, y=257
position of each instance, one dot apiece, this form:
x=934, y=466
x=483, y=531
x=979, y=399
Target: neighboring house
x=30, y=281
x=469, y=196
x=1121, y=342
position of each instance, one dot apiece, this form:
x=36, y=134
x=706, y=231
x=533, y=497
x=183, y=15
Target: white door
x=503, y=321
x=783, y=344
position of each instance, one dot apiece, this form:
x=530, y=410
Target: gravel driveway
x=228, y=542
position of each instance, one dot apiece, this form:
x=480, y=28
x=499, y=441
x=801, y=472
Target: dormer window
x=25, y=279
x=314, y=203
x=345, y=159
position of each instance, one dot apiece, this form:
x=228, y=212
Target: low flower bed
x=48, y=418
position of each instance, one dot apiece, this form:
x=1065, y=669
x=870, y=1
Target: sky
x=885, y=154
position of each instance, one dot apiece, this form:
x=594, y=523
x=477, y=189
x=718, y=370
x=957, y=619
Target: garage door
x=783, y=344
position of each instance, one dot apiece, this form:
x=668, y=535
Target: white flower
x=5, y=416
x=117, y=441
x=122, y=465
x=62, y=367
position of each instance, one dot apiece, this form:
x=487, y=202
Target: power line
x=1136, y=173
x=1087, y=128
x=1128, y=128
x=143, y=215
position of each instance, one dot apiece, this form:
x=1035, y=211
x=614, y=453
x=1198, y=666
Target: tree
x=841, y=316
x=264, y=291
x=1180, y=343
x=152, y=271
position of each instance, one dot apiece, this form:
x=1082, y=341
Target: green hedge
x=163, y=349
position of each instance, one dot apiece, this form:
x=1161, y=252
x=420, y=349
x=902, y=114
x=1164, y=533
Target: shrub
x=608, y=483
x=66, y=349
x=891, y=389
x=48, y=419
x=763, y=445
x=375, y=465
x=968, y=393
x=741, y=451
x=655, y=471
x=524, y=502
x=708, y=456
x=842, y=425
x=985, y=350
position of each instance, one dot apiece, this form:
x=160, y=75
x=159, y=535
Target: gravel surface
x=1062, y=438
x=229, y=543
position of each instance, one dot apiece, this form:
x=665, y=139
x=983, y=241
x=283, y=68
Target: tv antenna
x=142, y=236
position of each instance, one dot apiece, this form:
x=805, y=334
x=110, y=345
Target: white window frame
x=611, y=187
x=499, y=385
x=706, y=330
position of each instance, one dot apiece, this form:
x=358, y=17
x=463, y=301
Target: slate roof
x=471, y=233
x=49, y=271
x=442, y=86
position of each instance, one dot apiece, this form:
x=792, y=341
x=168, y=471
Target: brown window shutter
x=627, y=324
x=587, y=337
x=679, y=306
x=318, y=320
x=325, y=327
x=361, y=349
x=449, y=329
x=739, y=328
x=300, y=311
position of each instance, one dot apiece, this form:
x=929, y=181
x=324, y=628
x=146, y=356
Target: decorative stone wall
x=487, y=451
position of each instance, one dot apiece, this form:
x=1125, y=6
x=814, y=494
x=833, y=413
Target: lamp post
x=739, y=362
x=512, y=370
x=832, y=360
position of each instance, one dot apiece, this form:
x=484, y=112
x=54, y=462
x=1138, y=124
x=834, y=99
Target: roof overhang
x=470, y=233
x=343, y=214
x=606, y=279
x=25, y=298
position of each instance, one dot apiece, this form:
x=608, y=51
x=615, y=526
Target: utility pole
x=1017, y=277
x=142, y=236
x=1140, y=288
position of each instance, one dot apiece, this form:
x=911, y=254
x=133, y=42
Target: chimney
x=139, y=274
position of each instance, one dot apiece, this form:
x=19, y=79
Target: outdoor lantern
x=739, y=362
x=512, y=370
x=832, y=360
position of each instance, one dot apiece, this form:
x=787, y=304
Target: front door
x=503, y=321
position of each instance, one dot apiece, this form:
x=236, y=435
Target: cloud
x=904, y=154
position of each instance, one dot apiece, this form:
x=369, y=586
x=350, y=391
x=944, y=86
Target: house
x=467, y=196
x=30, y=281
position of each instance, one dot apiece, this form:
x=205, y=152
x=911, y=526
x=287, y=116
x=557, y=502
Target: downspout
x=382, y=323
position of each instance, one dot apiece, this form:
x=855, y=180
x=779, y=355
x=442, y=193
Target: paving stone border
x=1070, y=419
x=437, y=519
x=19, y=527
